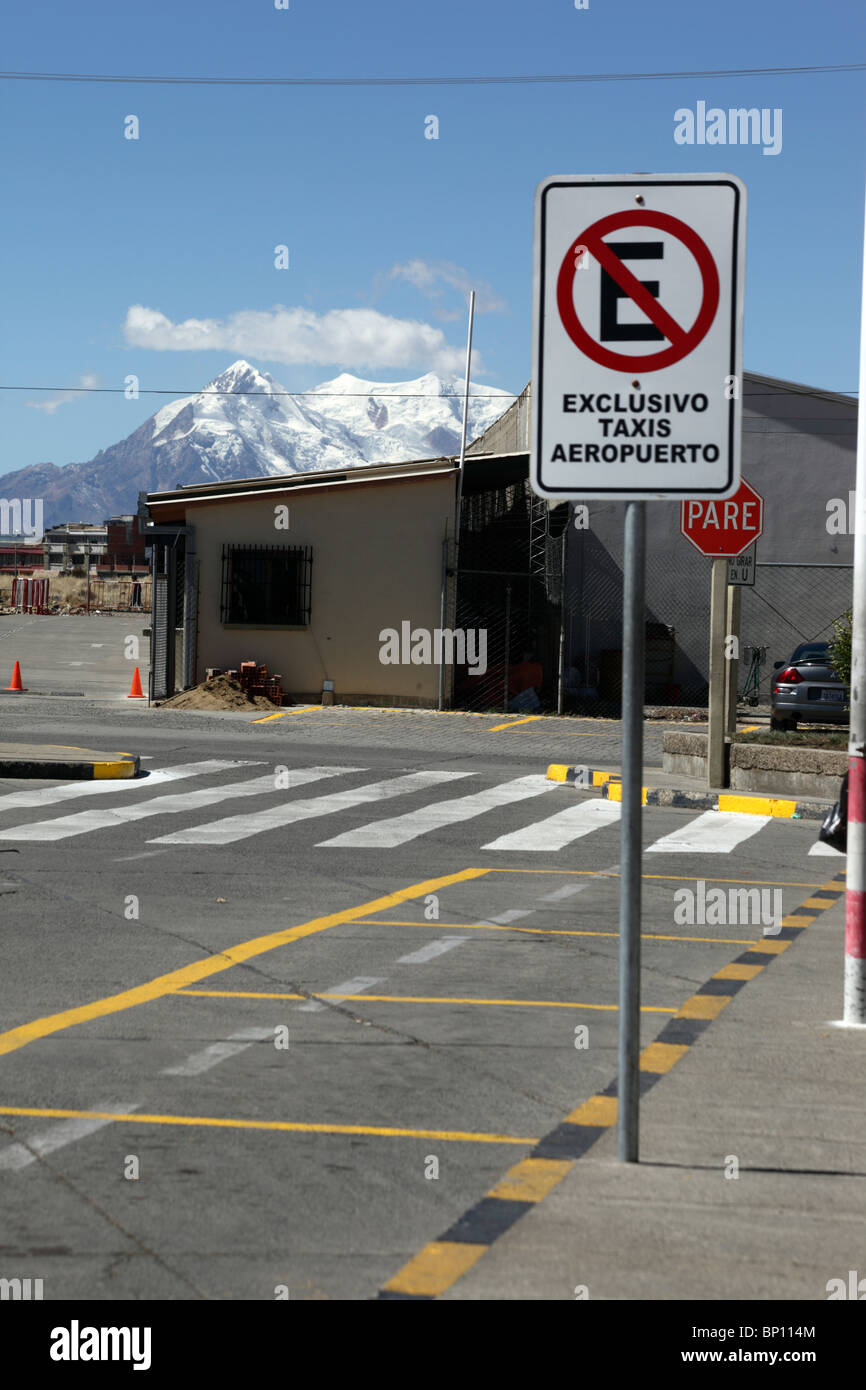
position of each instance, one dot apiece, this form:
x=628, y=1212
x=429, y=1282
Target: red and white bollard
x=855, y=897
x=855, y=901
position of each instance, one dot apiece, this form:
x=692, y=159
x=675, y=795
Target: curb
x=440, y=1264
x=746, y=804
x=90, y=766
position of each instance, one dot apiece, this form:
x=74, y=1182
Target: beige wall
x=377, y=560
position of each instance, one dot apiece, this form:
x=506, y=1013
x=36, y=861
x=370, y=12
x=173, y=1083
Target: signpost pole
x=735, y=598
x=633, y=680
x=716, y=716
x=855, y=898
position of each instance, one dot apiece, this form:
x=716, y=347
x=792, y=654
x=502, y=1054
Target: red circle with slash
x=683, y=341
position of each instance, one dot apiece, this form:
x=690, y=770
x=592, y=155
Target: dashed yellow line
x=213, y=965
x=457, y=1136
x=512, y=724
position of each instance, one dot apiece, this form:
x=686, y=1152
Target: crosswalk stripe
x=70, y=791
x=715, y=832
x=84, y=821
x=385, y=834
x=231, y=828
x=561, y=829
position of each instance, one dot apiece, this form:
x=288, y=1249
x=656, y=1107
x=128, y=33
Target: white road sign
x=638, y=312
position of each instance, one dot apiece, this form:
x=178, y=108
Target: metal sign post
x=637, y=367
x=633, y=663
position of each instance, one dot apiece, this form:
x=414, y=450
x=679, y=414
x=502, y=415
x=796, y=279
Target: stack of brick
x=256, y=680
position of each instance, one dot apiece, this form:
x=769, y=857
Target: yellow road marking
x=530, y=718
x=213, y=965
x=435, y=1268
x=531, y=1179
x=736, y=971
x=598, y=1110
x=288, y=1126
x=820, y=903
x=419, y=999
x=660, y=1057
x=704, y=1005
x=551, y=931
x=281, y=714
x=770, y=948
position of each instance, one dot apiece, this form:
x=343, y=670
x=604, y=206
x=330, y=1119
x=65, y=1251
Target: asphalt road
x=327, y=970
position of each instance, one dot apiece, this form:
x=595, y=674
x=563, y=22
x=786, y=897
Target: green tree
x=840, y=647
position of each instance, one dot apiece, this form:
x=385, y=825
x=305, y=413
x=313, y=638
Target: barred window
x=266, y=585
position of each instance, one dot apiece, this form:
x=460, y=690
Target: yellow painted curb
x=126, y=768
x=757, y=805
x=557, y=772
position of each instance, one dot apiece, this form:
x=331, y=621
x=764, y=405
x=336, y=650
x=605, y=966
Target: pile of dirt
x=220, y=693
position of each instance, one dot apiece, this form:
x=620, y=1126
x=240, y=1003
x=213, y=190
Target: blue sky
x=183, y=222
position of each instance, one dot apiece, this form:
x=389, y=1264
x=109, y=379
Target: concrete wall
x=377, y=557
x=510, y=433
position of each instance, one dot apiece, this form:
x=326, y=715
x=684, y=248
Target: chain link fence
x=548, y=598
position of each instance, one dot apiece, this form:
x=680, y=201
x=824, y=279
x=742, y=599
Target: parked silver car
x=807, y=690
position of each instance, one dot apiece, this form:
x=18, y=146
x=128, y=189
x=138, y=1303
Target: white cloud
x=343, y=337
x=429, y=276
x=53, y=403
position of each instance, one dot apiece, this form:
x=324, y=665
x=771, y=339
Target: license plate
x=833, y=697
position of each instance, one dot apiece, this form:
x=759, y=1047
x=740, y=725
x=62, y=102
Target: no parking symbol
x=633, y=356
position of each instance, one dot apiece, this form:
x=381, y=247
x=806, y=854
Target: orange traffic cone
x=136, y=692
x=16, y=679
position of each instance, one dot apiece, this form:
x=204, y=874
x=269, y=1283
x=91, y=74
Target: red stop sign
x=724, y=528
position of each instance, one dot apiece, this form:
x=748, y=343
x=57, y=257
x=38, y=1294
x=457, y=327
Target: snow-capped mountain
x=245, y=425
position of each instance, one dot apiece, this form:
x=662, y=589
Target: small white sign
x=637, y=355
x=741, y=570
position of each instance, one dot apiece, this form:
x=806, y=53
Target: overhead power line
x=396, y=395
x=157, y=391
x=539, y=79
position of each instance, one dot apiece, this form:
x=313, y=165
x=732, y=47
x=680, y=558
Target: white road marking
x=218, y=1052
x=559, y=893
x=385, y=834
x=75, y=663
x=512, y=916
x=97, y=644
x=820, y=848
x=714, y=832
x=433, y=949
x=57, y=1136
x=347, y=987
x=145, y=854
x=83, y=822
x=70, y=791
x=223, y=832
x=561, y=829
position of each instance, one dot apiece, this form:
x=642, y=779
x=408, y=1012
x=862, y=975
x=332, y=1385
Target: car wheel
x=777, y=724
